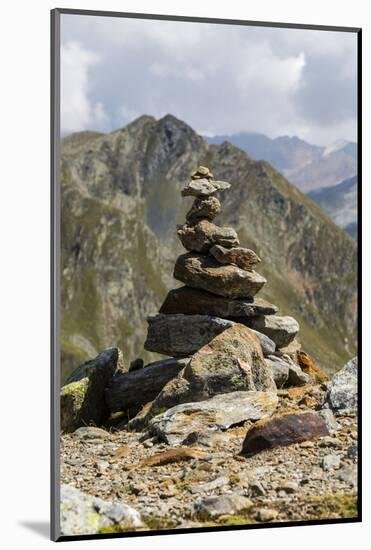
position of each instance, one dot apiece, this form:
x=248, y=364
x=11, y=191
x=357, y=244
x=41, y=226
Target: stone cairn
x=228, y=350
x=220, y=285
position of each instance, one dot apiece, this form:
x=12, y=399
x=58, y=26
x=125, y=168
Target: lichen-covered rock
x=242, y=257
x=284, y=430
x=342, y=395
x=206, y=273
x=204, y=187
x=203, y=208
x=83, y=514
x=193, y=301
x=82, y=399
x=204, y=234
x=182, y=335
x=220, y=412
x=281, y=329
x=232, y=361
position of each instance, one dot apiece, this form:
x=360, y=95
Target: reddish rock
x=284, y=430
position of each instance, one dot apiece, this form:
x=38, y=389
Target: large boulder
x=180, y=423
x=242, y=257
x=204, y=234
x=203, y=208
x=284, y=430
x=281, y=329
x=193, y=301
x=205, y=272
x=82, y=399
x=83, y=514
x=342, y=395
x=182, y=335
x=232, y=361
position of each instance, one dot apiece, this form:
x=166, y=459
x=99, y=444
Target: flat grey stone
x=281, y=329
x=220, y=412
x=182, y=335
x=204, y=187
x=225, y=504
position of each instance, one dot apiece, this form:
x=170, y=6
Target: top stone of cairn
x=202, y=184
x=201, y=172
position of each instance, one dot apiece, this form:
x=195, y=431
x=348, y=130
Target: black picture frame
x=55, y=226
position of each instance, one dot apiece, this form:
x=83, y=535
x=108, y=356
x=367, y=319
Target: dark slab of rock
x=204, y=234
x=82, y=399
x=205, y=272
x=232, y=361
x=204, y=187
x=178, y=424
x=284, y=430
x=193, y=301
x=182, y=335
x=203, y=208
x=129, y=392
x=342, y=396
x=242, y=257
x=281, y=329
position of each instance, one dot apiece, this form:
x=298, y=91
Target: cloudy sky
x=220, y=79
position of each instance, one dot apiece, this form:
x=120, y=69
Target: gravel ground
x=306, y=481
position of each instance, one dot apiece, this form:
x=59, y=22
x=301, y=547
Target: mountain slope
x=120, y=204
x=340, y=203
x=306, y=166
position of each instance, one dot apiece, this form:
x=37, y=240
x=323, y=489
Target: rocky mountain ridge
x=307, y=166
x=340, y=203
x=120, y=203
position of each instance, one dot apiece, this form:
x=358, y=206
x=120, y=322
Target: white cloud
x=78, y=110
x=219, y=78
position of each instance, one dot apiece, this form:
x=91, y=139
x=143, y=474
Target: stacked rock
x=220, y=285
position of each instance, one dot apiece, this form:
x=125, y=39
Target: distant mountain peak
x=335, y=146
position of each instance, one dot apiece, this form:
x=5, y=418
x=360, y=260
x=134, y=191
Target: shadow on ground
x=41, y=528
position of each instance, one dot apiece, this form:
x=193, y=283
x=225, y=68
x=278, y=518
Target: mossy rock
x=82, y=398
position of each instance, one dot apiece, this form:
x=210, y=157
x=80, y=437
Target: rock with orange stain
x=307, y=365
